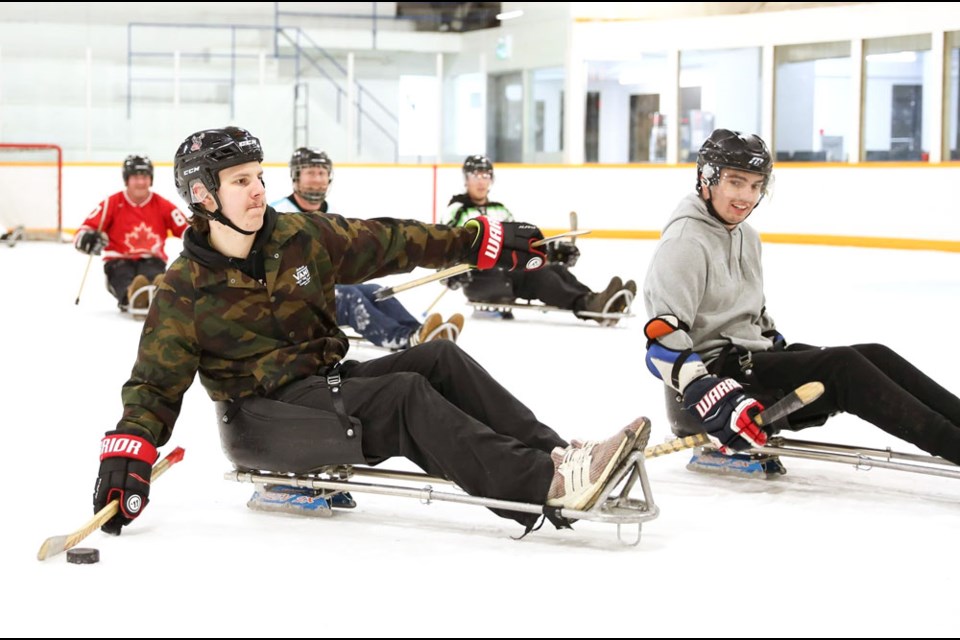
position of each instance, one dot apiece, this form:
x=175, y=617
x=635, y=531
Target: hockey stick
x=83, y=280
x=388, y=292
x=573, y=226
x=434, y=303
x=796, y=399
x=58, y=544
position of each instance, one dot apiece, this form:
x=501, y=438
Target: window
x=813, y=109
x=546, y=85
x=897, y=101
x=628, y=99
x=718, y=89
x=952, y=94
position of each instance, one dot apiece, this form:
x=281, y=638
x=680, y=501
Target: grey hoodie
x=711, y=279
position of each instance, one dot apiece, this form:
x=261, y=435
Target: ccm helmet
x=204, y=154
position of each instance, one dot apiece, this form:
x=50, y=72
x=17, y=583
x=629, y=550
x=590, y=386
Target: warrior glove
x=126, y=462
x=507, y=245
x=726, y=412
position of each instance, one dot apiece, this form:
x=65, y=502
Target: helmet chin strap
x=218, y=217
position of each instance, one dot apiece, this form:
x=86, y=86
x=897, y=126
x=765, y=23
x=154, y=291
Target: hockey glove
x=90, y=241
x=563, y=252
x=126, y=462
x=506, y=245
x=726, y=412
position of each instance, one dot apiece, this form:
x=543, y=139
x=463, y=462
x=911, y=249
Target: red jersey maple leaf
x=142, y=239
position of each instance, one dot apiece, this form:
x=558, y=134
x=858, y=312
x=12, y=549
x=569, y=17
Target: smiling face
x=735, y=195
x=138, y=186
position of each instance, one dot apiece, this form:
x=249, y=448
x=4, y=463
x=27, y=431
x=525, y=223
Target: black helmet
x=306, y=157
x=137, y=164
x=477, y=163
x=725, y=148
x=204, y=154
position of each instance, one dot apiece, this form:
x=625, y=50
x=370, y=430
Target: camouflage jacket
x=246, y=337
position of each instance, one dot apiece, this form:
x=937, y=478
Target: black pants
x=436, y=406
x=868, y=380
x=553, y=285
x=120, y=273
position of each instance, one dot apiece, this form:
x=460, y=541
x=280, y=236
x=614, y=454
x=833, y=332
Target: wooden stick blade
x=52, y=546
x=58, y=544
x=573, y=233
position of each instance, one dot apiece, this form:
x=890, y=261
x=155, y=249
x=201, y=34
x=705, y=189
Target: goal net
x=31, y=181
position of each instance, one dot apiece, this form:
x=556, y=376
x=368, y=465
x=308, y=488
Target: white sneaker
x=580, y=473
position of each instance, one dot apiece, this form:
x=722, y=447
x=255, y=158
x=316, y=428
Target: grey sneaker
x=641, y=427
x=580, y=473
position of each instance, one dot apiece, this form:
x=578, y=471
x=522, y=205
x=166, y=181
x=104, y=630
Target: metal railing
x=308, y=58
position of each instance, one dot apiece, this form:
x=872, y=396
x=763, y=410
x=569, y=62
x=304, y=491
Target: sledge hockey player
x=554, y=285
x=130, y=228
x=711, y=340
x=385, y=323
x=249, y=304
x=12, y=235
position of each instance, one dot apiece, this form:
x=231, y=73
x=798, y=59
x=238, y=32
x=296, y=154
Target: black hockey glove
x=126, y=462
x=563, y=252
x=506, y=245
x=726, y=412
x=90, y=241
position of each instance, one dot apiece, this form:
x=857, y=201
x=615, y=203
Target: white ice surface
x=825, y=550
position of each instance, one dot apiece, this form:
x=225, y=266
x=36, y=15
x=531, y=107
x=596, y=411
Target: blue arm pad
x=676, y=368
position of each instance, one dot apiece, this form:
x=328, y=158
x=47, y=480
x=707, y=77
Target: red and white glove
x=507, y=245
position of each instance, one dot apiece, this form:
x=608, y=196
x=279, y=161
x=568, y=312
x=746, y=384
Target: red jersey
x=136, y=231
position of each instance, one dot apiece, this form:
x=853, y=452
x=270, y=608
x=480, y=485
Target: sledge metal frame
x=861, y=458
x=609, y=318
x=612, y=506
x=148, y=290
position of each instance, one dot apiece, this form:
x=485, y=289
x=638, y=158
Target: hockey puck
x=83, y=555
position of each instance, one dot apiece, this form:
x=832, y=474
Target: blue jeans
x=386, y=323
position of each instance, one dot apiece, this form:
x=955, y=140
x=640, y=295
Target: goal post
x=31, y=181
